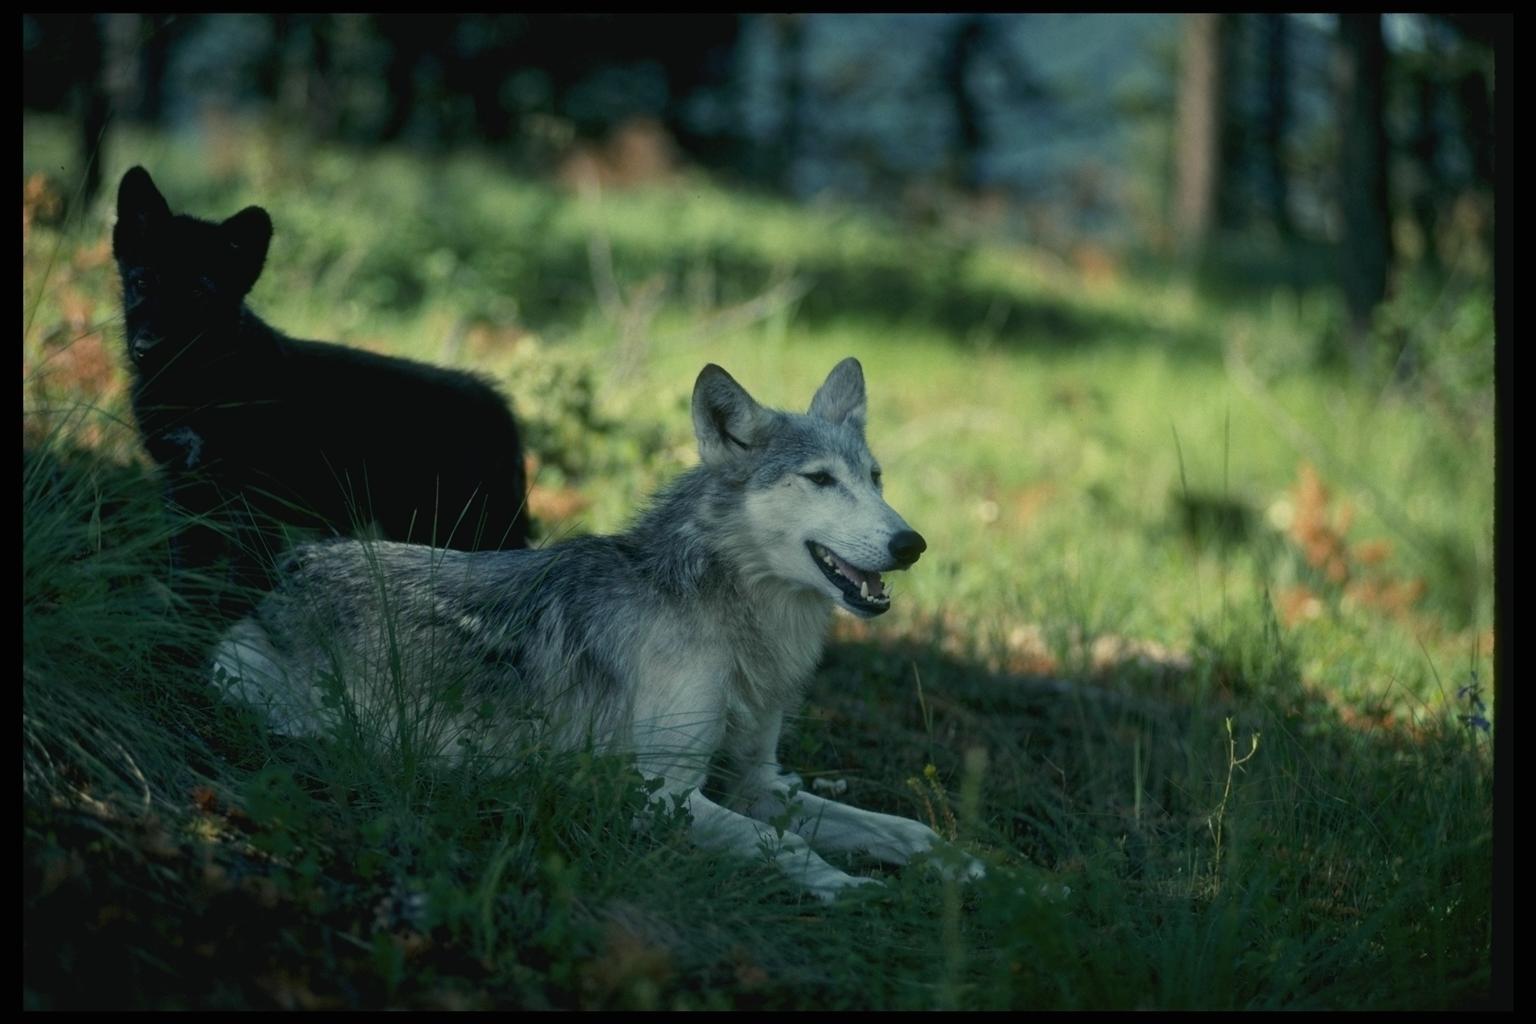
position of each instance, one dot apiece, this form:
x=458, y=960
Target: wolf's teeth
x=864, y=589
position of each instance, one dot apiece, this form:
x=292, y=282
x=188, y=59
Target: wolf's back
x=386, y=630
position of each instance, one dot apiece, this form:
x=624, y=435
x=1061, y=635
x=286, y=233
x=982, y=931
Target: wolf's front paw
x=909, y=839
x=954, y=866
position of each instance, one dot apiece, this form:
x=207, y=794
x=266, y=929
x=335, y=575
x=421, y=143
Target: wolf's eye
x=820, y=478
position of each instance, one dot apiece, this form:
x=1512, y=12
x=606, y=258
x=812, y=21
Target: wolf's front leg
x=834, y=826
x=202, y=546
x=718, y=828
x=766, y=792
x=221, y=548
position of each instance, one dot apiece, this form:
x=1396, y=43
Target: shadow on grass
x=1226, y=787
x=1106, y=739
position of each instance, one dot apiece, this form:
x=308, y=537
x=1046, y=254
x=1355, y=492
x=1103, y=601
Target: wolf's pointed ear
x=247, y=233
x=139, y=203
x=725, y=418
x=840, y=399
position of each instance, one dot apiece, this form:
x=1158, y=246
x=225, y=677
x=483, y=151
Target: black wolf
x=254, y=429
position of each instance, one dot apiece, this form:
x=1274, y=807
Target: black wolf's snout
x=906, y=546
x=142, y=344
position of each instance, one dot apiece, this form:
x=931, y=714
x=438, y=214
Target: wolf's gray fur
x=690, y=634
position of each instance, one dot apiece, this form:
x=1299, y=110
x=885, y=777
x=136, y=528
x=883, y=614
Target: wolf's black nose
x=907, y=545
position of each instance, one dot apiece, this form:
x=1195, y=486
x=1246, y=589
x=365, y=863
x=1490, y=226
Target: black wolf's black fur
x=253, y=428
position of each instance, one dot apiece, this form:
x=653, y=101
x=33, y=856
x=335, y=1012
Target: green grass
x=1118, y=593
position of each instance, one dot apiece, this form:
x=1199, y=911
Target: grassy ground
x=1161, y=530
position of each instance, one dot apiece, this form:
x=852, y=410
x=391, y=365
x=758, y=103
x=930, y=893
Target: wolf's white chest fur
x=720, y=680
x=775, y=649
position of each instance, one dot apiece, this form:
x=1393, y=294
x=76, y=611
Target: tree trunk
x=964, y=44
x=407, y=47
x=791, y=39
x=1429, y=193
x=1277, y=121
x=1367, y=245
x=93, y=104
x=1198, y=144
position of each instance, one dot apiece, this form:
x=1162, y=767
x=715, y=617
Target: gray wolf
x=685, y=640
x=253, y=429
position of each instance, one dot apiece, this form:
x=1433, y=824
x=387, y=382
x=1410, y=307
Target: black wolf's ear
x=247, y=235
x=840, y=399
x=139, y=204
x=725, y=418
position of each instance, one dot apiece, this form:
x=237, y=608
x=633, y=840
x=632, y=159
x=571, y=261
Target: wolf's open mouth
x=864, y=591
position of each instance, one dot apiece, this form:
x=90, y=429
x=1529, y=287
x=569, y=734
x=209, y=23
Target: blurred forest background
x=1278, y=147
x=1178, y=332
